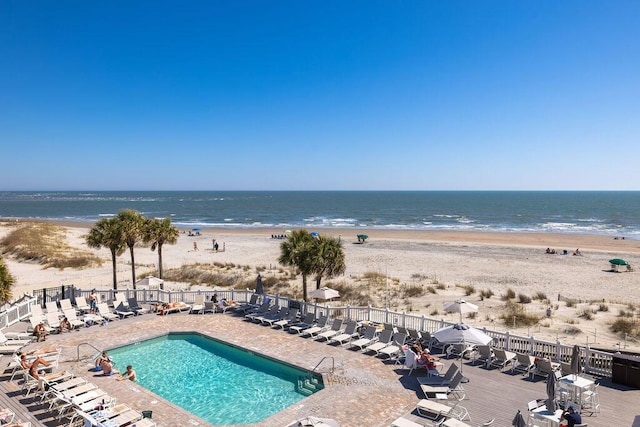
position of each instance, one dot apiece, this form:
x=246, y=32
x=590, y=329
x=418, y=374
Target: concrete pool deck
x=362, y=391
x=357, y=384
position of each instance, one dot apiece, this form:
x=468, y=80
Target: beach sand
x=450, y=261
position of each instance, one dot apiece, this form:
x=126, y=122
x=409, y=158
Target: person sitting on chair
x=65, y=324
x=571, y=416
x=40, y=332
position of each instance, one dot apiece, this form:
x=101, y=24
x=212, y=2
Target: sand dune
x=496, y=261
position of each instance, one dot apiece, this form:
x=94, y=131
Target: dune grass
x=45, y=244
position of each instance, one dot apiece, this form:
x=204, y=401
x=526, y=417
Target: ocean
x=591, y=212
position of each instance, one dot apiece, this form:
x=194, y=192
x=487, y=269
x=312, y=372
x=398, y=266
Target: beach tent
x=150, y=282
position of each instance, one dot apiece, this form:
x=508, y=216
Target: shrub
x=510, y=294
x=624, y=326
x=440, y=286
x=487, y=293
x=625, y=313
x=603, y=307
x=469, y=290
x=524, y=299
x=515, y=313
x=570, y=303
x=572, y=330
x=586, y=314
x=540, y=296
x=413, y=291
x=431, y=290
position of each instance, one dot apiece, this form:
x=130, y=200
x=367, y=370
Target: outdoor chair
x=523, y=363
x=484, y=354
x=305, y=323
x=501, y=358
x=290, y=318
x=368, y=338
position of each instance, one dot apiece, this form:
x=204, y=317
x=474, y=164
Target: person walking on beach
x=195, y=246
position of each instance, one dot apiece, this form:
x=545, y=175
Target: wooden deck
x=363, y=391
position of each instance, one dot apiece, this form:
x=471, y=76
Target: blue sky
x=332, y=95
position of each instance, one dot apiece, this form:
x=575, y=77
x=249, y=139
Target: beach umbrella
x=314, y=422
x=461, y=333
x=551, y=393
x=196, y=229
x=314, y=234
x=259, y=285
x=618, y=261
x=324, y=293
x=460, y=306
x=576, y=367
x=518, y=420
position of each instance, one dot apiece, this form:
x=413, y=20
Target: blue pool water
x=217, y=382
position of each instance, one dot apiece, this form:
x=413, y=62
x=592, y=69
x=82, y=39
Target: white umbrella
x=460, y=306
x=461, y=334
x=324, y=293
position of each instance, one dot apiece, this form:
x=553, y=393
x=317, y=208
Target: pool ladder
x=310, y=383
x=90, y=345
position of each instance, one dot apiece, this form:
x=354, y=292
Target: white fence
x=593, y=361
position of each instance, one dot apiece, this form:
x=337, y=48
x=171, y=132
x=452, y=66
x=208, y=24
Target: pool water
x=219, y=383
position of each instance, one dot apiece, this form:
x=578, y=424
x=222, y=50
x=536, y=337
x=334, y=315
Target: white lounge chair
x=524, y=363
x=13, y=341
x=52, y=307
x=291, y=318
x=368, y=338
x=104, y=311
x=53, y=322
x=395, y=347
x=198, y=304
x=433, y=410
x=81, y=304
x=284, y=315
x=65, y=305
x=440, y=380
x=336, y=329
x=305, y=323
x=502, y=358
x=455, y=387
x=73, y=318
x=383, y=341
x=350, y=331
x=320, y=326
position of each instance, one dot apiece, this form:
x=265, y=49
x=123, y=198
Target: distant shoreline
x=557, y=241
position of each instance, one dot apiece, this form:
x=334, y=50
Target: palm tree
x=158, y=232
x=131, y=225
x=329, y=259
x=6, y=283
x=298, y=251
x=106, y=234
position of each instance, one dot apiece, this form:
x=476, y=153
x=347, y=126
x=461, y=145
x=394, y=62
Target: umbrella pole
x=464, y=345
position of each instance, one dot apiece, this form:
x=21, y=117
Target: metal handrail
x=90, y=345
x=333, y=363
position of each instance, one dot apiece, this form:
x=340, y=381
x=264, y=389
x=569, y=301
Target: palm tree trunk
x=304, y=287
x=113, y=263
x=159, y=261
x=318, y=280
x=133, y=268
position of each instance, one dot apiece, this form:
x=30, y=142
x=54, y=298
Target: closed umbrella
x=460, y=306
x=576, y=366
x=551, y=393
x=324, y=293
x=259, y=286
x=518, y=420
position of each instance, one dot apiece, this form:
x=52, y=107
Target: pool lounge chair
x=433, y=410
x=136, y=307
x=484, y=354
x=274, y=313
x=209, y=307
x=392, y=350
x=403, y=422
x=174, y=307
x=104, y=312
x=320, y=326
x=73, y=318
x=336, y=329
x=383, y=340
x=283, y=314
x=524, y=363
x=81, y=304
x=290, y=319
x=368, y=338
x=65, y=305
x=123, y=311
x=252, y=304
x=305, y=323
x=52, y=307
x=53, y=322
x=502, y=358
x=4, y=340
x=262, y=309
x=455, y=387
x=198, y=305
x=440, y=380
x=350, y=331
x=543, y=368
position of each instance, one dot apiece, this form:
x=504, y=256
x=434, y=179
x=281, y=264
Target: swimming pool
x=220, y=383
